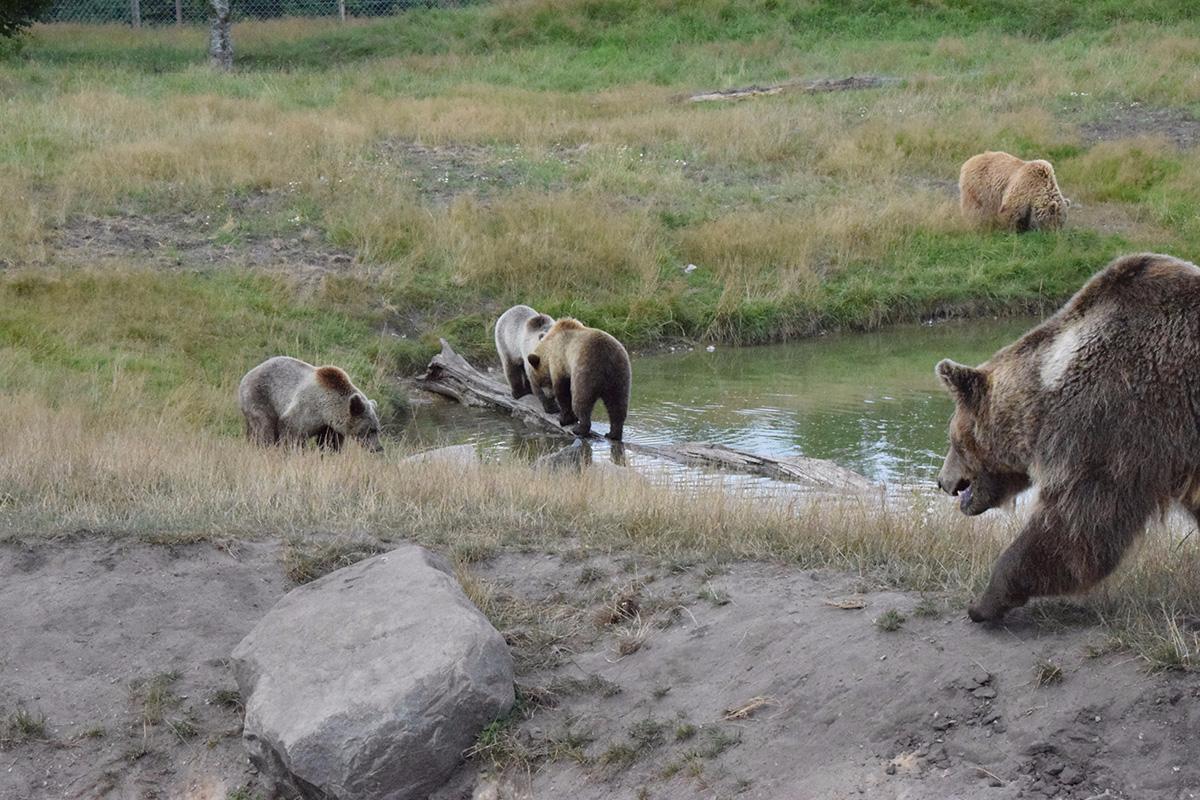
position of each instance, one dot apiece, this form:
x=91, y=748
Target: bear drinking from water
x=999, y=189
x=518, y=332
x=287, y=400
x=1099, y=406
x=581, y=365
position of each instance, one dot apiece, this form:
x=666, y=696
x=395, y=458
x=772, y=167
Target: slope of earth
x=638, y=679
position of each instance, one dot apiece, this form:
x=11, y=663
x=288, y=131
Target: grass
x=537, y=151
x=890, y=621
x=1047, y=673
x=155, y=698
x=22, y=725
x=529, y=151
x=71, y=467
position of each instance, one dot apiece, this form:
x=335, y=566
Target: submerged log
x=451, y=376
x=805, y=87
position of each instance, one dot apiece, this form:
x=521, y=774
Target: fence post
x=135, y=11
x=178, y=12
x=342, y=10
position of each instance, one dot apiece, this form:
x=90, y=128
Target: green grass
x=561, y=169
x=186, y=339
x=538, y=151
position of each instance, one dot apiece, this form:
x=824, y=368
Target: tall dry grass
x=67, y=468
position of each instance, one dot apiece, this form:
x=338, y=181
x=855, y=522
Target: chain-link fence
x=169, y=12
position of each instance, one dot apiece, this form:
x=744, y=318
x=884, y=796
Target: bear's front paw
x=582, y=430
x=983, y=610
x=567, y=419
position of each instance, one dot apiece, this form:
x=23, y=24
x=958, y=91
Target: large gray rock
x=369, y=683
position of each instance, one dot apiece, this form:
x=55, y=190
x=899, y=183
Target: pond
x=869, y=402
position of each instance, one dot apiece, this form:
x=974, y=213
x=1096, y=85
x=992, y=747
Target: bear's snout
x=952, y=488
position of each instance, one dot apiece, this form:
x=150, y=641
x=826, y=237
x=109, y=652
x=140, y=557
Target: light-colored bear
x=999, y=189
x=518, y=332
x=288, y=400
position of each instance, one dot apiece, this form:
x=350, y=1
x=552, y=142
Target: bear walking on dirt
x=288, y=400
x=1000, y=189
x=1099, y=406
x=582, y=365
x=518, y=332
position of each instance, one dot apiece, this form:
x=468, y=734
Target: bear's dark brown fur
x=582, y=365
x=1099, y=407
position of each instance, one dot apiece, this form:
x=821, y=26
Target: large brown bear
x=582, y=365
x=1099, y=406
x=999, y=189
x=518, y=332
x=288, y=400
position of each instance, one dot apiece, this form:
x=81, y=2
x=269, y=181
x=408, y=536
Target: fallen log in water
x=451, y=376
x=805, y=87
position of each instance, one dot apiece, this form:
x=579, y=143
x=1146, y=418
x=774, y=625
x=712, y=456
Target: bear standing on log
x=581, y=365
x=1099, y=406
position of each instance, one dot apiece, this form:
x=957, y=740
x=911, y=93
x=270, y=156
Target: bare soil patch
x=1116, y=218
x=123, y=647
x=440, y=173
x=1125, y=121
x=193, y=241
x=637, y=678
x=765, y=682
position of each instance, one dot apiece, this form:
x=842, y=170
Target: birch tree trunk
x=220, y=44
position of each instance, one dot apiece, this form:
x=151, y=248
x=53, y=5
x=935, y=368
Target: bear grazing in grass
x=1099, y=406
x=582, y=365
x=518, y=332
x=287, y=400
x=998, y=189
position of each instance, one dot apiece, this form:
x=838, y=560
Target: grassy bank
x=75, y=471
x=350, y=193
x=541, y=152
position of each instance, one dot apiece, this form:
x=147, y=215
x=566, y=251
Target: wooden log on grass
x=852, y=83
x=450, y=375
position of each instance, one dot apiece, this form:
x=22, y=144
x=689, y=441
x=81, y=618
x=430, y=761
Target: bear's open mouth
x=964, y=497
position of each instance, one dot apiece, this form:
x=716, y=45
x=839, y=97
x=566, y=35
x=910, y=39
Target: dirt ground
x=637, y=679
x=1130, y=120
x=195, y=241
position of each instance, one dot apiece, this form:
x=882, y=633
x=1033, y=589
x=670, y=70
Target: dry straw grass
x=69, y=468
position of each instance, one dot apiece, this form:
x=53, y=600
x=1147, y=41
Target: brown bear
x=1099, y=406
x=518, y=332
x=581, y=365
x=288, y=400
x=999, y=189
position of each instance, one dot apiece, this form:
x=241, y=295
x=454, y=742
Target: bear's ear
x=357, y=406
x=535, y=360
x=967, y=384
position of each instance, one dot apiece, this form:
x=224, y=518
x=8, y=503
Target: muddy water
x=869, y=402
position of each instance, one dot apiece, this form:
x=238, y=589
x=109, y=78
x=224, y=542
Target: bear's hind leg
x=1070, y=543
x=617, y=406
x=518, y=382
x=262, y=429
x=562, y=395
